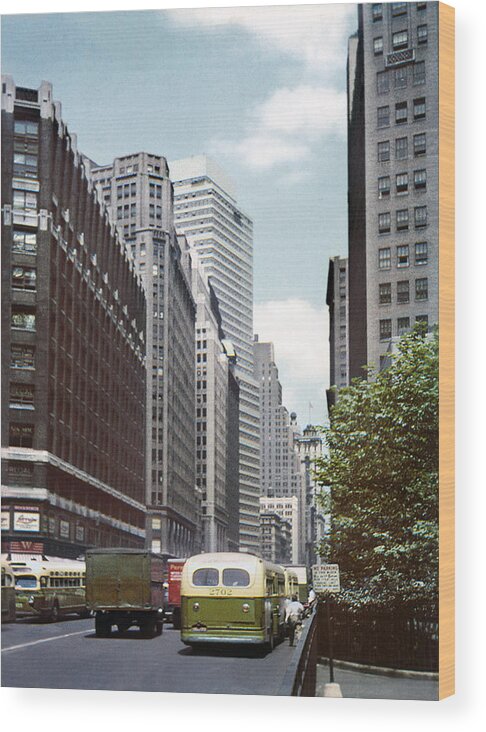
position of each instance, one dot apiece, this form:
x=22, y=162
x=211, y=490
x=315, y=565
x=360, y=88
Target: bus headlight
x=195, y=607
x=31, y=600
x=245, y=607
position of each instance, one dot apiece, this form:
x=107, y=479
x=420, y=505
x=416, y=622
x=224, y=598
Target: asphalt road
x=67, y=655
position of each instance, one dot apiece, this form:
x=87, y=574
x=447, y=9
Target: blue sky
x=262, y=90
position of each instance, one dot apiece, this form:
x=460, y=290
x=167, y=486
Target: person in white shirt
x=293, y=617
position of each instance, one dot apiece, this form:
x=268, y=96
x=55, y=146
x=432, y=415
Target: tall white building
x=207, y=213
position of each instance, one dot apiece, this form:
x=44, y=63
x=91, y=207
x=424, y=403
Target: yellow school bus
x=232, y=598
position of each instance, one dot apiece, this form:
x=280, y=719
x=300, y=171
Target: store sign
x=26, y=521
x=79, y=533
x=5, y=520
x=64, y=529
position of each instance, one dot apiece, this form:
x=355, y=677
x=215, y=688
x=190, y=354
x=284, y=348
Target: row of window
x=402, y=219
x=401, y=148
x=129, y=210
x=401, y=112
x=128, y=169
x=403, y=326
x=24, y=242
x=400, y=77
x=400, y=39
x=403, y=255
x=26, y=148
x=126, y=190
x=403, y=291
x=397, y=9
x=402, y=183
x=21, y=396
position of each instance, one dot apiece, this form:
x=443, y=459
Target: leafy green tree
x=382, y=474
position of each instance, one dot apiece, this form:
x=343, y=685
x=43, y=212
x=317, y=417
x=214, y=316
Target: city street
x=67, y=655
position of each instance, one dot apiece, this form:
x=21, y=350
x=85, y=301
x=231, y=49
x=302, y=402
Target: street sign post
x=326, y=581
x=325, y=578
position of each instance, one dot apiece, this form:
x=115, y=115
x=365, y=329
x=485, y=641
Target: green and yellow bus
x=50, y=589
x=291, y=583
x=302, y=589
x=8, y=593
x=232, y=598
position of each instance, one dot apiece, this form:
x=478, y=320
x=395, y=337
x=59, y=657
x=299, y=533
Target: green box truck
x=125, y=587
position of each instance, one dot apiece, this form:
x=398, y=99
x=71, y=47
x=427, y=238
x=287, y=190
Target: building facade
x=310, y=447
x=213, y=428
x=138, y=193
x=73, y=346
x=207, y=213
x=337, y=302
x=288, y=510
x=274, y=538
x=279, y=466
x=393, y=176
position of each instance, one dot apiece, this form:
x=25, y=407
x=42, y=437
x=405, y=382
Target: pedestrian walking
x=293, y=617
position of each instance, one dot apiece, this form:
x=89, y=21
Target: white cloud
x=299, y=332
x=306, y=110
x=294, y=29
x=284, y=127
x=262, y=151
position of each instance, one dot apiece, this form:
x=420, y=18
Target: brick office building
x=73, y=346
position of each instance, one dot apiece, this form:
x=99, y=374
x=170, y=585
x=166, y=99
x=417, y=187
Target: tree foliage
x=382, y=471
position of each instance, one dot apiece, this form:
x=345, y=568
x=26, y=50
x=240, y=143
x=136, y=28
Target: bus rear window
x=26, y=582
x=205, y=577
x=236, y=578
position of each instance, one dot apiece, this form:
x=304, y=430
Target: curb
x=381, y=670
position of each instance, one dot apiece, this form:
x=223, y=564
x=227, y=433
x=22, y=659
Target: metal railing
x=300, y=676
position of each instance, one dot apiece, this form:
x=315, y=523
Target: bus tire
x=271, y=641
x=54, y=616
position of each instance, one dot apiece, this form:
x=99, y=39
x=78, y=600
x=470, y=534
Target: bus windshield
x=26, y=582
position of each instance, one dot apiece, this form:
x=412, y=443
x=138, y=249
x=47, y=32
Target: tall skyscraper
x=393, y=176
x=73, y=346
x=207, y=213
x=137, y=190
x=278, y=459
x=281, y=482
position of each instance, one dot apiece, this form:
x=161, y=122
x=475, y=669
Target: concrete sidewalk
x=361, y=685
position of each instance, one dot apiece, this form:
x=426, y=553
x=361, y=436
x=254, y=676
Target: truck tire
x=147, y=627
x=102, y=626
x=159, y=627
